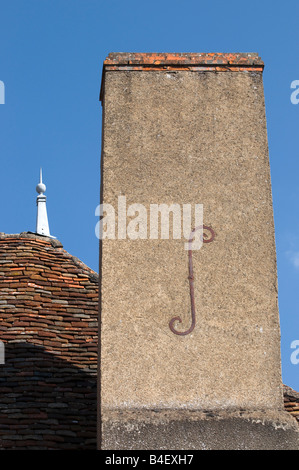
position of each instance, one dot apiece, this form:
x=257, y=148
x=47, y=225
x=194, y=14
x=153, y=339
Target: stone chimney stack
x=189, y=339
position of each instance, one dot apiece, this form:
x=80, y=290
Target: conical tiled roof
x=48, y=311
x=291, y=401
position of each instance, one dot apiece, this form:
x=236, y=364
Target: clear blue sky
x=51, y=55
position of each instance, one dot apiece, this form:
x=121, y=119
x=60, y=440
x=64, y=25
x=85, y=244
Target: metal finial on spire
x=41, y=187
x=42, y=225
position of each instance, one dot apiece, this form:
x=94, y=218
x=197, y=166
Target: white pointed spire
x=42, y=224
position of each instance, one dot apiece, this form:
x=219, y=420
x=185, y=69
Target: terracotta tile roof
x=291, y=401
x=48, y=311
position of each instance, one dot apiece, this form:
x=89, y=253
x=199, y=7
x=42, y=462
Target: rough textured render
x=48, y=310
x=188, y=129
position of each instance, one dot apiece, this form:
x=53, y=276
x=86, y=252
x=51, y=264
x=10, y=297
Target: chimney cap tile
x=178, y=61
x=187, y=58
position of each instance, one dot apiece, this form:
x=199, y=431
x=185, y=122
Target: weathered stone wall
x=190, y=137
x=188, y=129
